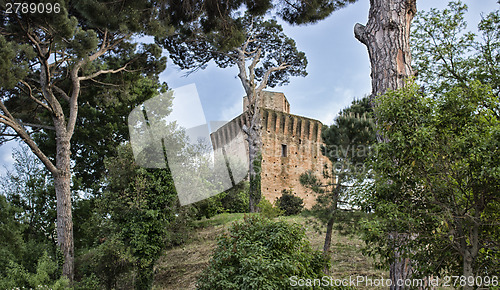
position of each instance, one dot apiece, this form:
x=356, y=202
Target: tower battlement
x=271, y=100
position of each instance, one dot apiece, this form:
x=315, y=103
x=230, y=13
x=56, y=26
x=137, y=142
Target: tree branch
x=267, y=75
x=19, y=129
x=240, y=62
x=105, y=84
x=360, y=33
x=109, y=71
x=5, y=120
x=30, y=93
x=75, y=79
x=61, y=92
x=38, y=126
x=251, y=68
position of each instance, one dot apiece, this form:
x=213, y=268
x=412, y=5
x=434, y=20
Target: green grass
x=220, y=219
x=179, y=267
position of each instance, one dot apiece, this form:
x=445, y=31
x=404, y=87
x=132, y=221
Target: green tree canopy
x=218, y=15
x=262, y=42
x=348, y=143
x=49, y=59
x=447, y=54
x=444, y=187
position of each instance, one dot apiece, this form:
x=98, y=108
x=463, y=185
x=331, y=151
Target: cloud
x=6, y=157
x=230, y=112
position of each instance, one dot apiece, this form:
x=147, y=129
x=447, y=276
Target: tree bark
x=254, y=142
x=328, y=236
x=387, y=38
x=467, y=267
x=328, y=241
x=62, y=185
x=331, y=221
x=468, y=243
x=401, y=269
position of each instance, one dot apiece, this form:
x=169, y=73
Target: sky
x=338, y=69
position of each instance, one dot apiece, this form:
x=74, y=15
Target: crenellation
x=265, y=116
x=283, y=124
x=237, y=129
x=318, y=133
x=299, y=128
x=311, y=130
x=306, y=130
x=241, y=120
x=230, y=131
x=213, y=139
x=276, y=122
x=224, y=135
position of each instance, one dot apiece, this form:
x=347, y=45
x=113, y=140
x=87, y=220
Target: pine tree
x=49, y=59
x=348, y=145
x=271, y=56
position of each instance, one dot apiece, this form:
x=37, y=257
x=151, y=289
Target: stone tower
x=291, y=145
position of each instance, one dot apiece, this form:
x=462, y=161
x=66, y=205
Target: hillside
x=179, y=266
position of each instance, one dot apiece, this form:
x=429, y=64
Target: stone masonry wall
x=271, y=100
x=290, y=146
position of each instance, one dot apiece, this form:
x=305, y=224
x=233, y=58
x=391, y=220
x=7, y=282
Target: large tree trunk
x=62, y=184
x=387, y=38
x=467, y=268
x=253, y=117
x=401, y=269
x=469, y=246
x=253, y=122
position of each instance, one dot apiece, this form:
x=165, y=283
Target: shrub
x=289, y=203
x=261, y=254
x=209, y=207
x=108, y=263
x=268, y=210
x=234, y=200
x=47, y=276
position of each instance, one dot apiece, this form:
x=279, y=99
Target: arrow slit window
x=283, y=150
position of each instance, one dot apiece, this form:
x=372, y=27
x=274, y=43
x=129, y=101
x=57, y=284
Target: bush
x=289, y=203
x=47, y=276
x=108, y=263
x=268, y=210
x=261, y=254
x=234, y=200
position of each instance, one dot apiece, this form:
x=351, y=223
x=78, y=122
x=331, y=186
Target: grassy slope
x=179, y=267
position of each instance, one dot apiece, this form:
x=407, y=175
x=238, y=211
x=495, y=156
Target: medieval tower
x=291, y=145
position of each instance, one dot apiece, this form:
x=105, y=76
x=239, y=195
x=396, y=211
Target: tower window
x=283, y=150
